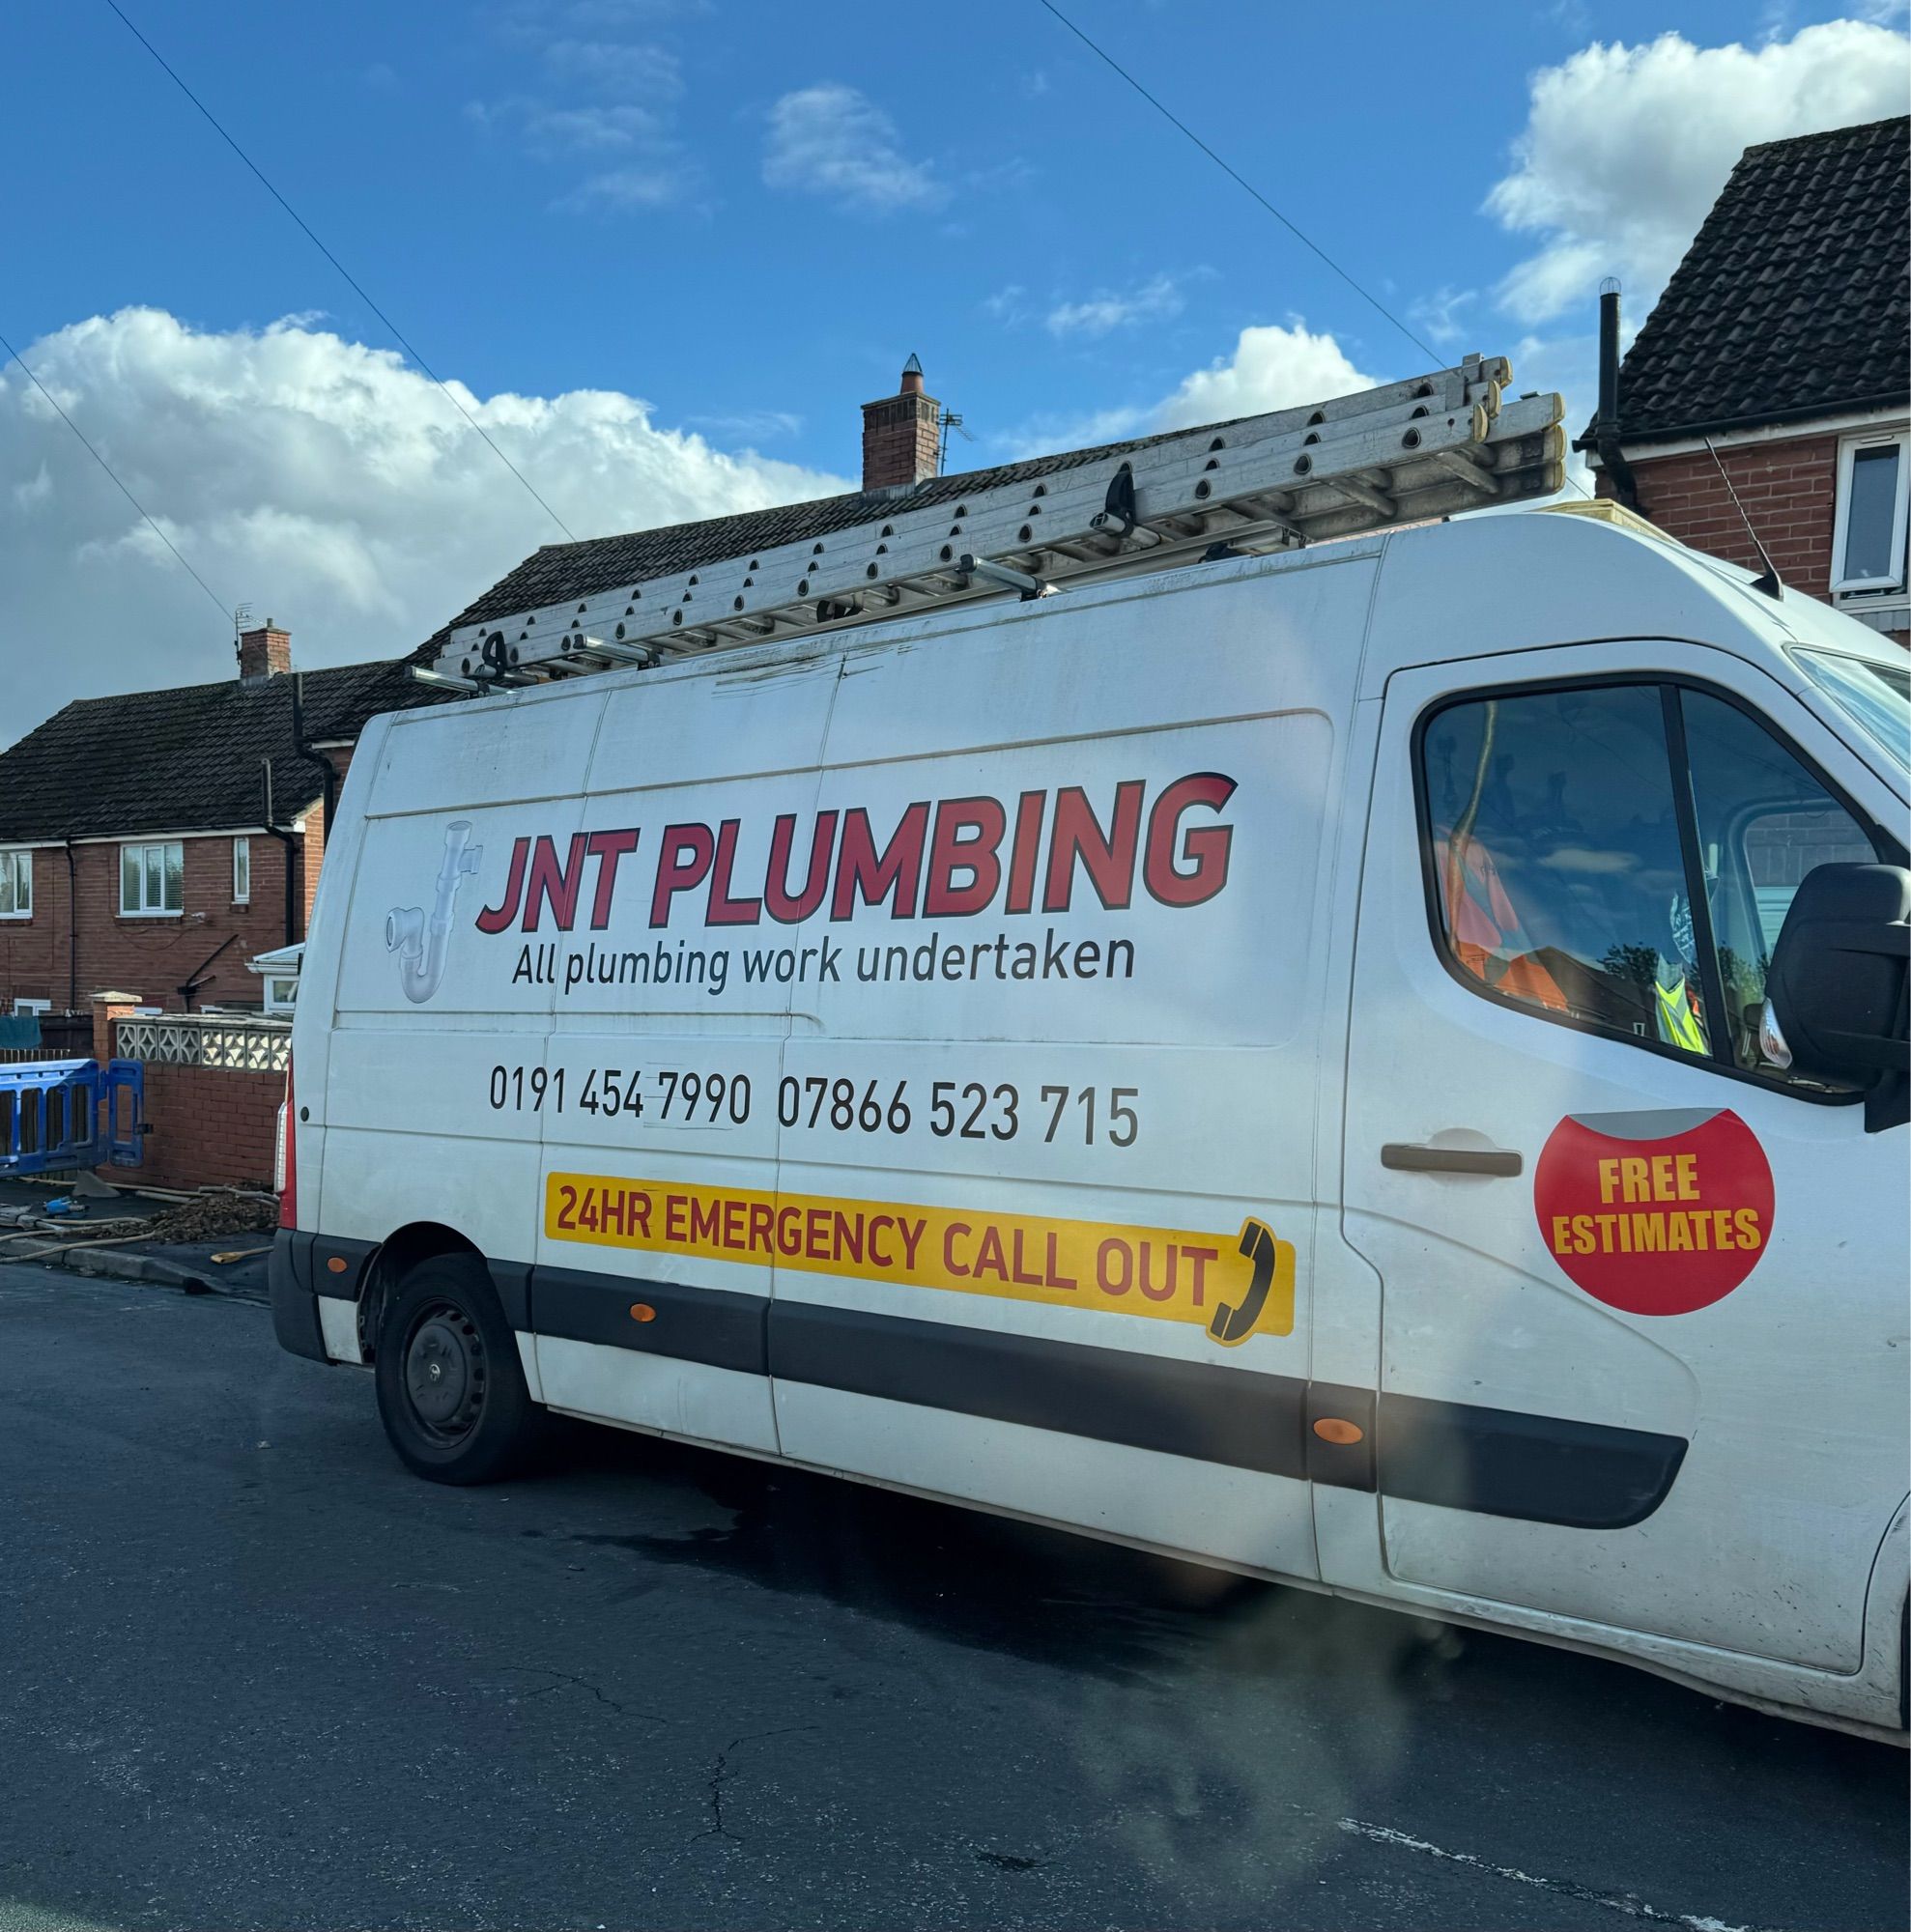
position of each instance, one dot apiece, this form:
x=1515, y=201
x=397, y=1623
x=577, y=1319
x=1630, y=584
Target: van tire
x=451, y=1390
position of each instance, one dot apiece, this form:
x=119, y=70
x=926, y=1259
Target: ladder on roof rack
x=1402, y=453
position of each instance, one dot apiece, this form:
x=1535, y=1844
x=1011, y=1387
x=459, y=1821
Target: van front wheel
x=451, y=1392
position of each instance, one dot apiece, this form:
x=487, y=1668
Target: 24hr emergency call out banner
x=1233, y=1286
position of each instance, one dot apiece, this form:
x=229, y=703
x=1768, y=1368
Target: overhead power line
x=1234, y=174
x=352, y=280
x=223, y=607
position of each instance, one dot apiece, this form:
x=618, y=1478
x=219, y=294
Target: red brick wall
x=1788, y=488
x=152, y=957
x=210, y=1128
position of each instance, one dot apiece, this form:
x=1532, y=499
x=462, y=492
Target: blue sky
x=734, y=220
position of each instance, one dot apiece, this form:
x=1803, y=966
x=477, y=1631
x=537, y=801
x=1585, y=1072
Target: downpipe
x=421, y=945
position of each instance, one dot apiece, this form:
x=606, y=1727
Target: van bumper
x=294, y=1304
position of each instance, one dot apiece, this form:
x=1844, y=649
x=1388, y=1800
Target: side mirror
x=1835, y=992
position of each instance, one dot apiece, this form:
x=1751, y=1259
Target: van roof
x=1569, y=577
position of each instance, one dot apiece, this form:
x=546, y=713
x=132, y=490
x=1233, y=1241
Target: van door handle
x=1416, y=1157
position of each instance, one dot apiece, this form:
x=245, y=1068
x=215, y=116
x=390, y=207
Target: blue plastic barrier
x=58, y=1114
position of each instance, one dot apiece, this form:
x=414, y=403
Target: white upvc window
x=1869, y=528
x=22, y=1007
x=242, y=871
x=15, y=885
x=152, y=879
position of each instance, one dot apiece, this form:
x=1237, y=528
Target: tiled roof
x=186, y=760
x=563, y=571
x=1791, y=301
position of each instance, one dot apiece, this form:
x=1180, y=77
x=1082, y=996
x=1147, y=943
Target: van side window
x=1763, y=821
x=1558, y=870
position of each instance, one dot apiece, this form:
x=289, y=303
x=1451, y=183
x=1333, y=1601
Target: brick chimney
x=899, y=435
x=264, y=652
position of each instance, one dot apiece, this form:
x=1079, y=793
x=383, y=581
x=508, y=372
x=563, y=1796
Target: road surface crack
x=564, y=1677
x=723, y=1772
x=1560, y=1888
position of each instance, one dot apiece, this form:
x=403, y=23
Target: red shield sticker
x=1657, y=1213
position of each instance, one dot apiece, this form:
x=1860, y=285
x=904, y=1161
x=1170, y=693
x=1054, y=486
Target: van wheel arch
x=394, y=1258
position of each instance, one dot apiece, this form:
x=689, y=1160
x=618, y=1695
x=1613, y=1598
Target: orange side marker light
x=336, y=1263
x=1334, y=1428
x=641, y=1310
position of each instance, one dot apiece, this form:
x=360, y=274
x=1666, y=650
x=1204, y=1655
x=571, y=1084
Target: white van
x=1267, y=1061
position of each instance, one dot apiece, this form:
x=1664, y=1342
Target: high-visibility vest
x=1678, y=1024
x=1488, y=936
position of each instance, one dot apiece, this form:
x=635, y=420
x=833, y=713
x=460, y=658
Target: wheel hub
x=445, y=1370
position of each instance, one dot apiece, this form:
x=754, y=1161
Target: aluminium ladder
x=1406, y=452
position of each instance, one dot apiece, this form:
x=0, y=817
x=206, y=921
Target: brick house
x=156, y=841
x=1785, y=337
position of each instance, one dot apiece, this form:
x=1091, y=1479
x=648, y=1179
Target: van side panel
x=1127, y=1049
x=932, y=1025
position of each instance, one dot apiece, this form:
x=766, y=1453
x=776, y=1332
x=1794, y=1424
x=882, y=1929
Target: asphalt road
x=252, y=1674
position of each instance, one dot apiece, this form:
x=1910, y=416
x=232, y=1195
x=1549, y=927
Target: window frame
x=1692, y=856
x=18, y=858
x=143, y=846
x=1848, y=451
x=241, y=859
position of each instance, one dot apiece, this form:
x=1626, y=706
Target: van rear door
x=1639, y=1288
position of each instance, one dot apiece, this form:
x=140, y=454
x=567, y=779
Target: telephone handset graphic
x=1230, y=1324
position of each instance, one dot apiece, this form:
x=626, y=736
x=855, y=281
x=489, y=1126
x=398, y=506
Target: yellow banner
x=1233, y=1285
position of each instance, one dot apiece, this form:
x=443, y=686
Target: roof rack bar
x=1410, y=451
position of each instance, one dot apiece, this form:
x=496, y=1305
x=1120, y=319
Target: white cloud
x=619, y=191
x=1625, y=149
x=320, y=480
x=1439, y=316
x=552, y=130
x=632, y=126
x=1271, y=368
x=834, y=141
x=750, y=425
x=1106, y=310
x=616, y=68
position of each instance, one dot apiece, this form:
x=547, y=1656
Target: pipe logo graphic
x=420, y=945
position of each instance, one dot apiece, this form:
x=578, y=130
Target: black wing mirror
x=1834, y=997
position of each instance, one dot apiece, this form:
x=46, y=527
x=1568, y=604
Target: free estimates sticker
x=1656, y=1213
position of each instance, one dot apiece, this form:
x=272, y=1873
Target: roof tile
x=1791, y=301
x=189, y=759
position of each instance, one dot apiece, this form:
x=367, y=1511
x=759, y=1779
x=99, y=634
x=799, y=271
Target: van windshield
x=1876, y=697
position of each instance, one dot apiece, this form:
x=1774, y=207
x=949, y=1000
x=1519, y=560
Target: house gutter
x=1884, y=401
x=303, y=746
x=290, y=848
x=73, y=927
